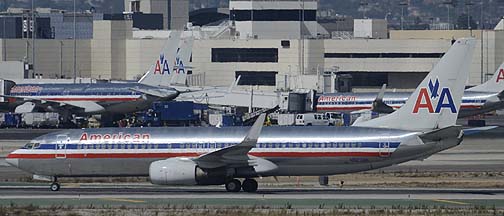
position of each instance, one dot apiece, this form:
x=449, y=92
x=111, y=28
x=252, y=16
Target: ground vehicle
x=309, y=119
x=335, y=118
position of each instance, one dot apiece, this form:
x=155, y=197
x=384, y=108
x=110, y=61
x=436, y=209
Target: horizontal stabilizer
x=439, y=134
x=471, y=131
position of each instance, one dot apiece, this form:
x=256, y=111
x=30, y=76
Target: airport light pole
x=33, y=30
x=448, y=4
x=61, y=59
x=468, y=5
x=402, y=4
x=364, y=4
x=75, y=46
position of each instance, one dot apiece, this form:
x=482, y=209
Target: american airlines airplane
x=216, y=156
x=117, y=98
x=476, y=100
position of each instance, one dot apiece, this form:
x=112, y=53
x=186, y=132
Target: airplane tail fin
x=181, y=62
x=436, y=101
x=159, y=72
x=495, y=84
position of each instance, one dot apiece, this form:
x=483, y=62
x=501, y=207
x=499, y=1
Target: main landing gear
x=248, y=185
x=55, y=186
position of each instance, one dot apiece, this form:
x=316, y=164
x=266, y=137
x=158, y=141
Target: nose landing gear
x=55, y=186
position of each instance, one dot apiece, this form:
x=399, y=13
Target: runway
x=270, y=196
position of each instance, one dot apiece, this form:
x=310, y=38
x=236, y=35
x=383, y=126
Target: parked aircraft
x=97, y=98
x=215, y=156
x=480, y=99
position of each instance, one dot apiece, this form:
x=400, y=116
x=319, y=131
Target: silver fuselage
x=117, y=98
x=297, y=151
x=473, y=102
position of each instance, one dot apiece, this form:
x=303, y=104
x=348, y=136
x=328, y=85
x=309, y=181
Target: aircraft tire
x=233, y=185
x=55, y=186
x=250, y=185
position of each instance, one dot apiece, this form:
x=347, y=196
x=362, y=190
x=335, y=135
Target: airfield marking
x=123, y=200
x=450, y=201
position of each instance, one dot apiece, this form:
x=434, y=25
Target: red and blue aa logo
x=180, y=66
x=162, y=66
x=427, y=97
x=500, y=76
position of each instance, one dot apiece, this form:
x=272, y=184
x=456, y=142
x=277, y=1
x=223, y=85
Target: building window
x=244, y=55
x=273, y=15
x=264, y=78
x=369, y=78
x=383, y=55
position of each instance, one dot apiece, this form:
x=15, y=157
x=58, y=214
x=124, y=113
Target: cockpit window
x=31, y=145
x=28, y=145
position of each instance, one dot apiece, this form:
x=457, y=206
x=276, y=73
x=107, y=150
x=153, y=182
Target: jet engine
x=183, y=171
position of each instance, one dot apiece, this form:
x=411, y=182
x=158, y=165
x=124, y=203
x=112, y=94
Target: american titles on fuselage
x=114, y=137
x=336, y=98
x=25, y=89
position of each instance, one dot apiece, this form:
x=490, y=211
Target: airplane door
x=384, y=146
x=384, y=150
x=61, y=146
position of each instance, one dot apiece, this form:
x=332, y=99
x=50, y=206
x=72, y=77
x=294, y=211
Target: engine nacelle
x=183, y=171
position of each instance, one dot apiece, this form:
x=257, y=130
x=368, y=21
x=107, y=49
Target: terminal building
x=271, y=44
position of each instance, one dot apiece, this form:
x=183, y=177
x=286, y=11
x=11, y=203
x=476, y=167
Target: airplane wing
x=237, y=155
x=160, y=93
x=86, y=106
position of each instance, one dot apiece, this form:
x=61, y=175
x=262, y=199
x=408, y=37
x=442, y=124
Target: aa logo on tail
x=179, y=66
x=434, y=101
x=162, y=66
x=500, y=76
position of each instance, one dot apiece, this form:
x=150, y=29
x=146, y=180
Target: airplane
x=99, y=98
x=221, y=156
x=480, y=99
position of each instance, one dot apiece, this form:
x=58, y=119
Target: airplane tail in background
x=495, y=84
x=161, y=69
x=436, y=101
x=181, y=62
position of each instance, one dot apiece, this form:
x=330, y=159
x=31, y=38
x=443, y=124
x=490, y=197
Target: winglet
x=378, y=105
x=253, y=135
x=382, y=92
x=234, y=84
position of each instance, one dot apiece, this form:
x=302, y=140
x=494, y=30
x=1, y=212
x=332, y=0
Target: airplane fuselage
x=297, y=151
x=473, y=102
x=114, y=97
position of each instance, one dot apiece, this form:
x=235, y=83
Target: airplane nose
x=12, y=161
